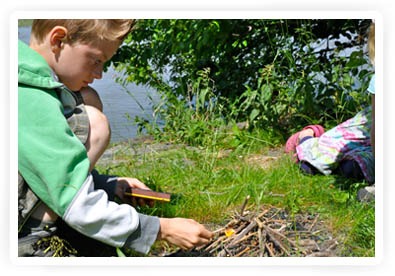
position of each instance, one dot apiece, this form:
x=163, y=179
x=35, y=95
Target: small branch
x=269, y=247
x=244, y=205
x=313, y=223
x=242, y=252
x=244, y=232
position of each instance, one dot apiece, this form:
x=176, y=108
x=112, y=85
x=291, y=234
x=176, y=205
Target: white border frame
x=198, y=261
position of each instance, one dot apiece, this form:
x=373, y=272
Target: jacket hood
x=33, y=69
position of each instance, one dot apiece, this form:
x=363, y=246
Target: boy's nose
x=97, y=74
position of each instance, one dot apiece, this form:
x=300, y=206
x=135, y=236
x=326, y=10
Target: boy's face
x=78, y=65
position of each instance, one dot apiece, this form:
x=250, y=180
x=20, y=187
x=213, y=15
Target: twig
x=242, y=252
x=269, y=247
x=224, y=252
x=244, y=232
x=244, y=205
x=260, y=242
x=271, y=233
x=260, y=224
x=245, y=237
x=313, y=223
x=219, y=230
x=262, y=214
x=281, y=236
x=214, y=244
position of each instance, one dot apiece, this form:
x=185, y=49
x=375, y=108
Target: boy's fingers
x=207, y=234
x=141, y=202
x=133, y=201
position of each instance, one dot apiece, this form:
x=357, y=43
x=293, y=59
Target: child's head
x=371, y=42
x=84, y=31
x=77, y=50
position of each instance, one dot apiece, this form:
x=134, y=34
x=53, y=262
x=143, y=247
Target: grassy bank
x=210, y=183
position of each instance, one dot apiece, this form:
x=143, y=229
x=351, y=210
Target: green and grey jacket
x=54, y=163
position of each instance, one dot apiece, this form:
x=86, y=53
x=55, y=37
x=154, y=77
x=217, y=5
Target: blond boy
x=60, y=139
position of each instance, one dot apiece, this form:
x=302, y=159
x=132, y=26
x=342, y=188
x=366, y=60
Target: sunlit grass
x=210, y=184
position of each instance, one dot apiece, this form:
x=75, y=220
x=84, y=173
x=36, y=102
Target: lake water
x=120, y=104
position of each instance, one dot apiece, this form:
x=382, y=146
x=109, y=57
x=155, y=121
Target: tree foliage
x=273, y=73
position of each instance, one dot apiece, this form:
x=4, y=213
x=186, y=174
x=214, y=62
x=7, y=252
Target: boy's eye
x=96, y=61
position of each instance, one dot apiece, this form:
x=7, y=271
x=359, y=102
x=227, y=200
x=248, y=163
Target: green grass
x=209, y=184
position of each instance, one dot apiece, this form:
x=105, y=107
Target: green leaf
x=356, y=59
x=266, y=93
x=254, y=113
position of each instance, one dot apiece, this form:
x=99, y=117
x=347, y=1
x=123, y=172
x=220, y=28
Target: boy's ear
x=57, y=36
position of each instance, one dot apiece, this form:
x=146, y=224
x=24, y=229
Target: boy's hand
x=124, y=184
x=184, y=233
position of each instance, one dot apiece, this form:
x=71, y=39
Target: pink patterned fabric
x=347, y=141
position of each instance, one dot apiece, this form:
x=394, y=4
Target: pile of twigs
x=268, y=232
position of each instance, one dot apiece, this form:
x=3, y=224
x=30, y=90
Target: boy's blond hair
x=371, y=42
x=84, y=31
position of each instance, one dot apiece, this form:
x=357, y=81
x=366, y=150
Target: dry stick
x=233, y=221
x=242, y=252
x=221, y=240
x=246, y=237
x=262, y=214
x=241, y=226
x=333, y=245
x=238, y=238
x=260, y=242
x=244, y=205
x=260, y=224
x=219, y=230
x=269, y=249
x=282, y=236
x=214, y=244
x=279, y=195
x=244, y=232
x=313, y=223
x=256, y=221
x=278, y=220
x=271, y=233
x=260, y=237
x=224, y=252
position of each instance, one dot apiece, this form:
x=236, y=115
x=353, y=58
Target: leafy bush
x=192, y=118
x=277, y=75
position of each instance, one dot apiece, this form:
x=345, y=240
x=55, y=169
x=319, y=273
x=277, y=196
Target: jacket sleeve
x=119, y=225
x=146, y=232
